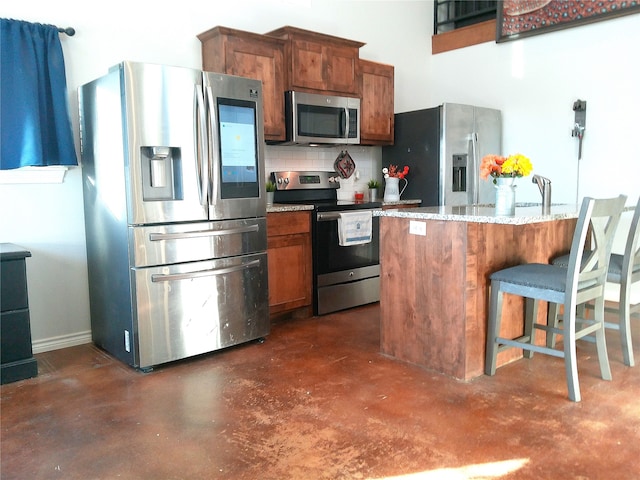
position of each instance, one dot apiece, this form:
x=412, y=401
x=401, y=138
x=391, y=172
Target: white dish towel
x=354, y=228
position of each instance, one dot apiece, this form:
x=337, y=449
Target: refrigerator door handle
x=156, y=277
x=156, y=237
x=212, y=149
x=201, y=147
x=475, y=168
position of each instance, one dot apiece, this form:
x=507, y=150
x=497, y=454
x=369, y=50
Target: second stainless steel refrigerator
x=443, y=147
x=173, y=180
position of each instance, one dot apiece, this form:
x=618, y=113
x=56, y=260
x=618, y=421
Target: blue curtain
x=35, y=128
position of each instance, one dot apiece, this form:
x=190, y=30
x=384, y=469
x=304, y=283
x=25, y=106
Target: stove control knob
x=286, y=180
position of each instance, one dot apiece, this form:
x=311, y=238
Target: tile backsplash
x=368, y=162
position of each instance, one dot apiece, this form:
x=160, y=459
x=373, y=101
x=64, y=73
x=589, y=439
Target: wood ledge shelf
x=464, y=37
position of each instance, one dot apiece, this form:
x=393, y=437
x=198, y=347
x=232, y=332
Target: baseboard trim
x=62, y=341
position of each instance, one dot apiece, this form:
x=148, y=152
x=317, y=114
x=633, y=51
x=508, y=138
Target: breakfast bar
x=435, y=266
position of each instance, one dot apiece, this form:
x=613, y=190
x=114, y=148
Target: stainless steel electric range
x=343, y=276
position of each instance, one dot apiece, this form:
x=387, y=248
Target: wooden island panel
x=435, y=288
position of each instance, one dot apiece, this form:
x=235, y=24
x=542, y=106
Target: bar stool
x=581, y=282
x=623, y=273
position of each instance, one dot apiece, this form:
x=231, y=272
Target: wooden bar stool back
x=623, y=276
x=580, y=282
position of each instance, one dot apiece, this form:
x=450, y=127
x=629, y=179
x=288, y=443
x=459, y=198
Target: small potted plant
x=271, y=188
x=373, y=185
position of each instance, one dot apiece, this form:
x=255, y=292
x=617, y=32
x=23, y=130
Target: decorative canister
x=505, y=195
x=392, y=190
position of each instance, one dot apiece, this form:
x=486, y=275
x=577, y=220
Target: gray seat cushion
x=614, y=274
x=534, y=275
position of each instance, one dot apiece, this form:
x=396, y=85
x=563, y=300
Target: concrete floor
x=317, y=401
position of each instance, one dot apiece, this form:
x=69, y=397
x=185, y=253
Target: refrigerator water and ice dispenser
x=161, y=173
x=459, y=165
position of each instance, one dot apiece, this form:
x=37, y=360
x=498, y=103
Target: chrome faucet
x=544, y=184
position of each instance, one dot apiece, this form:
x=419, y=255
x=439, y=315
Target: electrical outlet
x=418, y=228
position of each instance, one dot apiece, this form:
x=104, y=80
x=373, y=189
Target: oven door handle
x=330, y=216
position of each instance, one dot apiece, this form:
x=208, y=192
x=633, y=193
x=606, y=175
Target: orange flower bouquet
x=498, y=166
x=393, y=171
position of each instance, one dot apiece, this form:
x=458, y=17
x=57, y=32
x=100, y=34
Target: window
x=453, y=14
x=462, y=23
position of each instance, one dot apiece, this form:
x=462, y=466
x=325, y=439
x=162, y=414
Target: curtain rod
x=69, y=31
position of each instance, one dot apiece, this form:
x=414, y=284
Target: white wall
x=534, y=81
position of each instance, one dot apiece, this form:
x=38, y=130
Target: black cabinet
x=15, y=331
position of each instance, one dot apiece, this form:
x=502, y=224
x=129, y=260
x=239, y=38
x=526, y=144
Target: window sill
x=52, y=174
x=464, y=37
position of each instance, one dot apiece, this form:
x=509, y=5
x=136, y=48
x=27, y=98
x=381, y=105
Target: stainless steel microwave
x=319, y=119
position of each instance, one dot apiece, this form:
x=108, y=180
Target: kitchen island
x=435, y=266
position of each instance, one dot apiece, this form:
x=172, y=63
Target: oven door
x=330, y=257
x=344, y=277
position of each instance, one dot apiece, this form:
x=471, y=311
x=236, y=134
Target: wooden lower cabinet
x=289, y=256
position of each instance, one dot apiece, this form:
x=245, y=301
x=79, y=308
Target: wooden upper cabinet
x=377, y=114
x=319, y=63
x=246, y=54
x=291, y=58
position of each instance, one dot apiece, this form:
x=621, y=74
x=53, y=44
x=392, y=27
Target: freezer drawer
x=189, y=309
x=177, y=243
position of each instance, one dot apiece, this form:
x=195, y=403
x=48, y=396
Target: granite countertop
x=525, y=213
x=285, y=207
x=402, y=202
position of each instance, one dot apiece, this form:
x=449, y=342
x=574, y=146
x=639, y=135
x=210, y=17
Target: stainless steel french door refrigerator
x=175, y=211
x=443, y=147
